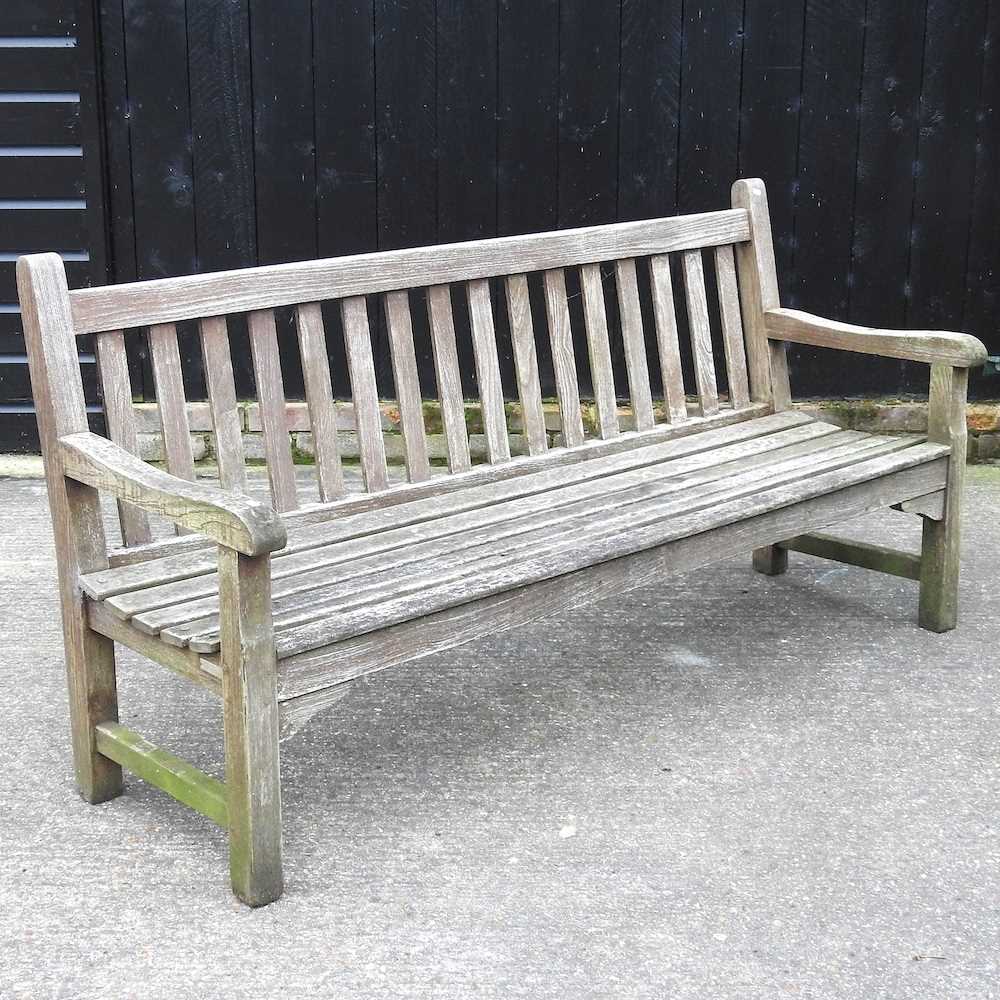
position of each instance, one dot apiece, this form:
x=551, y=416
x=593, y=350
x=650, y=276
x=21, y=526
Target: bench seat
x=357, y=573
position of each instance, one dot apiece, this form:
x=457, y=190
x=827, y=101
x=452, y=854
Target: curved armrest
x=246, y=525
x=957, y=349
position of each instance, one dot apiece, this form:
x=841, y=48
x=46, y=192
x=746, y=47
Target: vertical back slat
x=116, y=388
x=404, y=371
x=601, y=368
x=522, y=337
x=635, y=343
x=449, y=381
x=271, y=405
x=563, y=357
x=701, y=332
x=222, y=403
x=732, y=326
x=484, y=344
x=166, y=361
x=667, y=341
x=319, y=399
x=358, y=341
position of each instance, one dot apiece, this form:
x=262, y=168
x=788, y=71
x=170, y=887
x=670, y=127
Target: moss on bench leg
x=939, y=557
x=250, y=707
x=771, y=560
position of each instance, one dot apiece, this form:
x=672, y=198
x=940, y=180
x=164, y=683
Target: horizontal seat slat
x=169, y=300
x=570, y=554
x=356, y=555
x=577, y=526
x=347, y=519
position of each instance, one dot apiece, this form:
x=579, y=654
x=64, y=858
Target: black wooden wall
x=246, y=131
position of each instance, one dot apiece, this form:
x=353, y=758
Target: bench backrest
x=737, y=242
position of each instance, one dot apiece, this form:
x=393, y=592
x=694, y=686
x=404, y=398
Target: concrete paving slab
x=724, y=786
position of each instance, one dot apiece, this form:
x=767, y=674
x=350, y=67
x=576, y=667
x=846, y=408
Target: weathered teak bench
x=277, y=607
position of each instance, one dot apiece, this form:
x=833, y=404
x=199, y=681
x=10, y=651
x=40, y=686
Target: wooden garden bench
x=277, y=607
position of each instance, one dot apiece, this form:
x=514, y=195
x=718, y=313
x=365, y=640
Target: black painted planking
x=828, y=145
x=887, y=149
x=527, y=127
x=466, y=119
x=15, y=382
x=406, y=69
x=38, y=18
x=36, y=230
x=945, y=167
x=982, y=297
x=588, y=113
x=710, y=105
x=649, y=108
x=41, y=177
x=284, y=161
x=114, y=115
x=44, y=123
x=222, y=133
x=466, y=129
x=39, y=68
x=406, y=139
x=769, y=120
x=77, y=274
x=19, y=428
x=344, y=82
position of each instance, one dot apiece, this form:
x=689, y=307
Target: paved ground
x=725, y=787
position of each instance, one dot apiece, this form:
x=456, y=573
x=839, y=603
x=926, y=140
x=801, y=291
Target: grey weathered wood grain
x=867, y=555
x=563, y=357
x=448, y=378
x=168, y=381
x=571, y=555
x=76, y=515
x=404, y=371
x=226, y=420
x=522, y=336
x=367, y=550
x=184, y=662
x=347, y=540
x=732, y=326
x=602, y=374
x=701, y=332
x=250, y=723
x=358, y=341
x=484, y=346
x=668, y=343
x=173, y=560
x=271, y=405
x=116, y=391
x=390, y=646
x=941, y=540
x=931, y=505
x=169, y=300
x=319, y=399
x=635, y=343
x=548, y=542
x=231, y=519
x=958, y=349
x=508, y=538
x=758, y=281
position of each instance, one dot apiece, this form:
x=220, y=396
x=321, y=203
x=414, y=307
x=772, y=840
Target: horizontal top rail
x=170, y=300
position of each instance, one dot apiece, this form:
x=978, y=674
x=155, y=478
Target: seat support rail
x=171, y=774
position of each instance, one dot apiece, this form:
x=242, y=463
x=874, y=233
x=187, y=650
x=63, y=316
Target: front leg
x=939, y=553
x=250, y=706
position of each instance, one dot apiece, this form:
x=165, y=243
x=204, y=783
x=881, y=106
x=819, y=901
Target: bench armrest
x=236, y=521
x=960, y=350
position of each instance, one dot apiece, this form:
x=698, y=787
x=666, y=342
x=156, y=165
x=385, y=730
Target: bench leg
x=93, y=699
x=939, y=554
x=771, y=560
x=250, y=707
